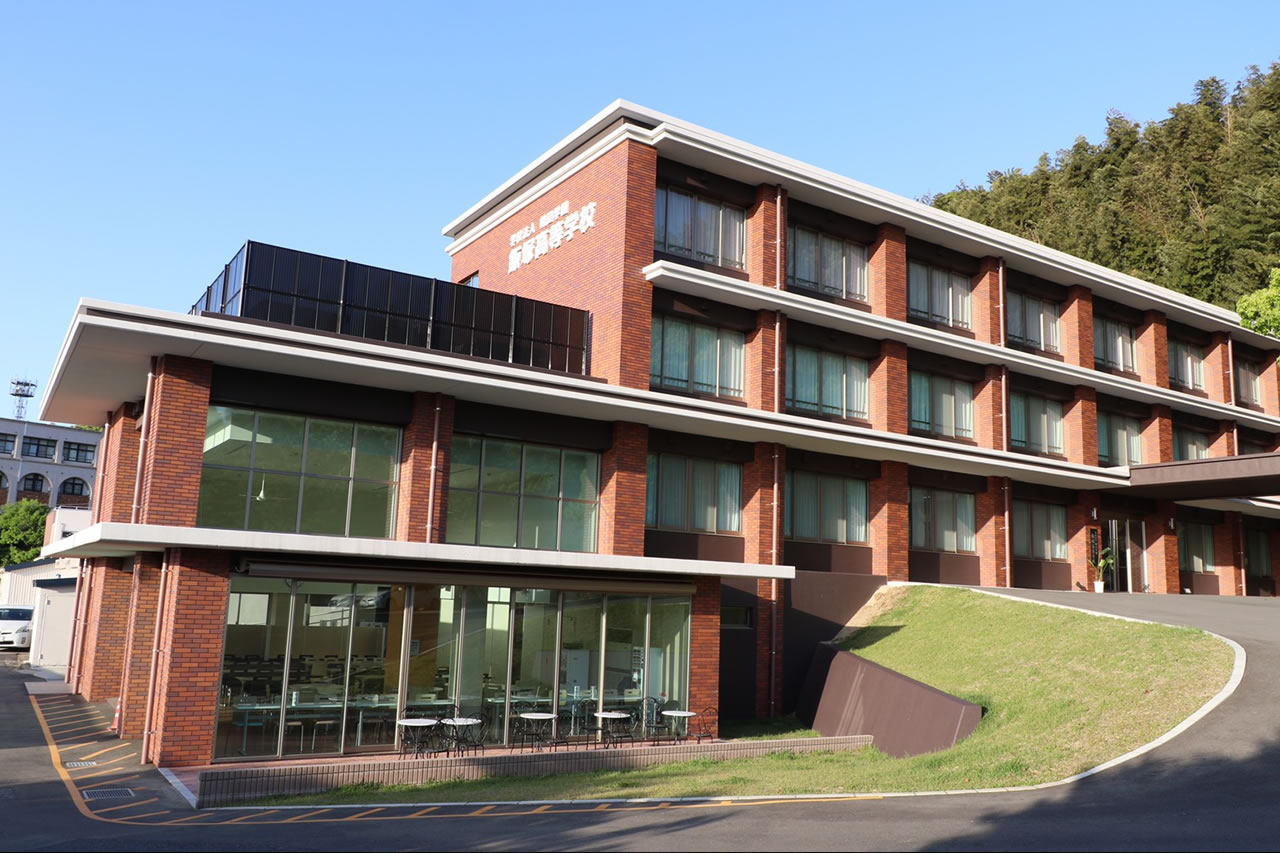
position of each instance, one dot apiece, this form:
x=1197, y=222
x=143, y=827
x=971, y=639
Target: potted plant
x=1105, y=563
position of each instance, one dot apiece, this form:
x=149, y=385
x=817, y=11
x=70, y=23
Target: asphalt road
x=1213, y=787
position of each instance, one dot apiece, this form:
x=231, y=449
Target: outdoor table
x=611, y=719
x=676, y=717
x=412, y=734
x=456, y=724
x=540, y=719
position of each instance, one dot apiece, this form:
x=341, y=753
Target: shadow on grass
x=869, y=636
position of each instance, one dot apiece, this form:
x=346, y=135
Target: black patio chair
x=704, y=725
x=655, y=725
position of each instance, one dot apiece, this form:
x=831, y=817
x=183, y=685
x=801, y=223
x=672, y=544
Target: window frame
x=1180, y=445
x=849, y=364
x=1046, y=424
x=658, y=357
x=933, y=534
x=1261, y=541
x=1201, y=535
x=77, y=451
x=933, y=379
x=1021, y=311
x=853, y=264
x=34, y=477
x=1127, y=344
x=654, y=494
x=930, y=312
x=846, y=483
x=83, y=488
x=1109, y=459
x=1186, y=366
x=38, y=443
x=1253, y=372
x=661, y=229
x=7, y=442
x=1039, y=514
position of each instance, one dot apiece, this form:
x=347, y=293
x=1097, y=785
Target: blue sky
x=142, y=143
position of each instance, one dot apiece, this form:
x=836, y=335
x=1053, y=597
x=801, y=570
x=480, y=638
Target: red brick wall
x=988, y=409
x=1079, y=522
x=760, y=380
x=1217, y=369
x=1162, y=550
x=1152, y=347
x=623, y=479
x=760, y=537
x=599, y=270
x=890, y=530
x=889, y=389
x=106, y=627
x=704, y=656
x=1223, y=442
x=118, y=466
x=1075, y=332
x=139, y=642
x=41, y=497
x=175, y=441
x=1228, y=555
x=766, y=243
x=985, y=302
x=989, y=508
x=1157, y=436
x=193, y=629
x=1269, y=385
x=887, y=272
x=1080, y=427
x=414, y=487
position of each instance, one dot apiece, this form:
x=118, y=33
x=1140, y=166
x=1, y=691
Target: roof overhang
x=1251, y=476
x=114, y=539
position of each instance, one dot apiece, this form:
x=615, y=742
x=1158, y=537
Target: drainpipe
x=77, y=625
x=104, y=448
x=431, y=486
x=1004, y=432
x=142, y=443
x=155, y=662
x=778, y=248
x=84, y=621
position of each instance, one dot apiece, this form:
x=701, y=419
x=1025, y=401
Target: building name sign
x=555, y=228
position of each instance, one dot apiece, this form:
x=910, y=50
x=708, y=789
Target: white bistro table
x=457, y=724
x=540, y=720
x=676, y=717
x=609, y=720
x=415, y=730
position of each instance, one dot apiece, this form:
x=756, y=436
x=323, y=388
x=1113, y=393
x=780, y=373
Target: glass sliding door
x=373, y=681
x=624, y=655
x=580, y=657
x=319, y=650
x=253, y=667
x=482, y=676
x=533, y=650
x=433, y=651
x=668, y=662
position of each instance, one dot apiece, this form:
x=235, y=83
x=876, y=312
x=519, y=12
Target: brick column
x=989, y=506
x=193, y=628
x=1080, y=426
x=1080, y=520
x=623, y=476
x=1223, y=442
x=1152, y=346
x=704, y=652
x=889, y=389
x=988, y=409
x=1228, y=556
x=766, y=255
x=625, y=333
x=1162, y=550
x=139, y=642
x=1269, y=386
x=414, y=490
x=985, y=302
x=118, y=467
x=890, y=529
x=760, y=537
x=1075, y=331
x=175, y=441
x=760, y=379
x=1157, y=436
x=1218, y=380
x=887, y=272
x=106, y=627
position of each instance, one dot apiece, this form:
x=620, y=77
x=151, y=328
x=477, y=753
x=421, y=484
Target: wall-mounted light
x=1093, y=513
x=1172, y=524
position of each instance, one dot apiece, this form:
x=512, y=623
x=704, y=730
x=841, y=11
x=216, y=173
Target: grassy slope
x=1063, y=692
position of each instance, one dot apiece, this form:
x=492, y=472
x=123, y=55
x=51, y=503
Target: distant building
x=46, y=462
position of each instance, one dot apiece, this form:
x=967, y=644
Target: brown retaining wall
x=242, y=784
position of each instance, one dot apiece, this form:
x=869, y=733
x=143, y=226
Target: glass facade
x=315, y=667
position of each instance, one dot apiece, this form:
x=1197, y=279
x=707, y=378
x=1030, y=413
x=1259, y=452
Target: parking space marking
x=243, y=818
x=107, y=782
x=305, y=816
x=126, y=806
x=104, y=751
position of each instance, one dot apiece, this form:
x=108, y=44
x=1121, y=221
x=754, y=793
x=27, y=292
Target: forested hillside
x=1191, y=202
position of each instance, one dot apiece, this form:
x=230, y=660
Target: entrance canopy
x=1257, y=475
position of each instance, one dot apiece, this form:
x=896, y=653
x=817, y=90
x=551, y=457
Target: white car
x=15, y=626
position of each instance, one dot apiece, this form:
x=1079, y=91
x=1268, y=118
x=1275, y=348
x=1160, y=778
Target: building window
x=821, y=508
x=32, y=483
x=73, y=451
x=1195, y=547
x=1257, y=553
x=1252, y=448
x=293, y=474
x=1035, y=423
x=75, y=487
x=1189, y=444
x=514, y=495
x=700, y=228
x=826, y=383
x=6, y=443
x=41, y=448
x=1119, y=440
x=736, y=616
x=1113, y=344
x=686, y=356
x=938, y=295
x=698, y=495
x=1186, y=365
x=1033, y=322
x=1248, y=388
x=941, y=405
x=826, y=264
x=942, y=520
x=1039, y=531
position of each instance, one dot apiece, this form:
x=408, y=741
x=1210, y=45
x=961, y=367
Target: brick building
x=50, y=463
x=683, y=380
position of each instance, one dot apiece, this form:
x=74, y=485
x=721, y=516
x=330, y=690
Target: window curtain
x=655, y=351
x=944, y=406
x=1035, y=424
x=1016, y=328
x=833, y=384
x=733, y=237
x=856, y=496
x=833, y=509
x=857, y=272
x=806, y=505
x=675, y=353
x=731, y=348
x=919, y=511
x=832, y=273
x=1053, y=422
x=705, y=346
x=806, y=257
x=1099, y=340
x=806, y=379
x=944, y=520
x=918, y=289
x=940, y=295
x=671, y=502
x=1135, y=442
x=706, y=231
x=1017, y=420
x=960, y=286
x=729, y=497
x=858, y=379
x=964, y=409
x=1022, y=529
x=702, y=495
x=651, y=491
x=679, y=222
x=1049, y=325
x=1057, y=532
x=966, y=538
x=920, y=391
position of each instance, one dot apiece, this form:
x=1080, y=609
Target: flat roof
x=1256, y=475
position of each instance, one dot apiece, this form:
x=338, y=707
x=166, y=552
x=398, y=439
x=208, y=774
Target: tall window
x=1113, y=344
x=826, y=264
x=1248, y=389
x=700, y=495
x=699, y=228
x=74, y=486
x=941, y=405
x=688, y=356
x=33, y=483
x=516, y=495
x=6, y=443
x=826, y=383
x=1189, y=444
x=1257, y=553
x=74, y=451
x=942, y=520
x=40, y=448
x=1039, y=531
x=1035, y=423
x=1033, y=322
x=1251, y=448
x=1195, y=547
x=1119, y=440
x=938, y=295
x=823, y=508
x=1186, y=365
x=295, y=474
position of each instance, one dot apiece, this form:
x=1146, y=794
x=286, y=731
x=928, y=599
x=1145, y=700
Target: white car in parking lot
x=15, y=626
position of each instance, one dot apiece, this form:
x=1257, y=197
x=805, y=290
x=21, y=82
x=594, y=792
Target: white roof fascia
x=115, y=537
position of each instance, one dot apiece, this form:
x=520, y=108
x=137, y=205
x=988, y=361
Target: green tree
x=1260, y=310
x=21, y=531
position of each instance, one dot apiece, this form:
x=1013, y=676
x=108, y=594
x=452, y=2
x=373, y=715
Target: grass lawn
x=1062, y=692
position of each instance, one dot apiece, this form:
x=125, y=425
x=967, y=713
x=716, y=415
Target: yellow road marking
x=76, y=798
x=108, y=781
x=106, y=772
x=305, y=816
x=188, y=817
x=480, y=811
x=126, y=806
x=63, y=732
x=600, y=807
x=148, y=814
x=116, y=760
x=540, y=809
x=427, y=810
x=254, y=814
x=79, y=745
x=363, y=814
x=66, y=715
x=105, y=751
